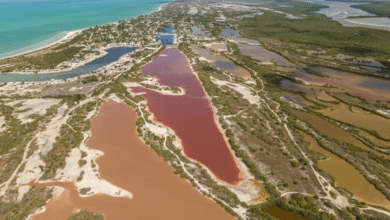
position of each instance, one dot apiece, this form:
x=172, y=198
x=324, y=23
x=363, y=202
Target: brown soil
x=218, y=46
x=130, y=164
x=262, y=195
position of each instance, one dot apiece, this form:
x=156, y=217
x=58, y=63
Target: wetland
x=347, y=176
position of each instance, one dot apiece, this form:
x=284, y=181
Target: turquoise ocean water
x=29, y=24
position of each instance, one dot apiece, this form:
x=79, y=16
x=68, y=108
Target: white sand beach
x=69, y=35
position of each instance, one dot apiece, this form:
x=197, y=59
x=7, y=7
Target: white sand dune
x=247, y=93
x=2, y=121
x=33, y=106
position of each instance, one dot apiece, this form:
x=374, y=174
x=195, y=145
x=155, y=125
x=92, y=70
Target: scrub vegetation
x=86, y=215
x=32, y=200
x=261, y=116
x=318, y=31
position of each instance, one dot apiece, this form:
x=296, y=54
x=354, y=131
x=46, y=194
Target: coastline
x=71, y=34
x=361, y=22
x=349, y=23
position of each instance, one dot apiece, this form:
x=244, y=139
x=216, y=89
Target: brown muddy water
x=347, y=176
x=190, y=116
x=130, y=164
x=375, y=140
x=359, y=118
x=262, y=195
x=283, y=215
x=334, y=131
x=259, y=53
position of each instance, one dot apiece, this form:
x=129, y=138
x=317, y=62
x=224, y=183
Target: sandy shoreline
x=350, y=23
x=361, y=21
x=69, y=35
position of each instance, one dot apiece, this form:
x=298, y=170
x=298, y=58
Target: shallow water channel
x=113, y=55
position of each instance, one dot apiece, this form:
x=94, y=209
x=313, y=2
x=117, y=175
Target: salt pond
x=190, y=116
x=130, y=164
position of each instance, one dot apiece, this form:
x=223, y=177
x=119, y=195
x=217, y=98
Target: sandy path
x=2, y=122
